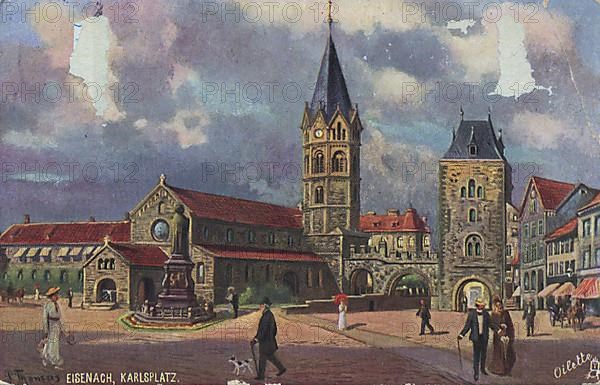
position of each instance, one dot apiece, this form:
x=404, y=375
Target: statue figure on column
x=181, y=227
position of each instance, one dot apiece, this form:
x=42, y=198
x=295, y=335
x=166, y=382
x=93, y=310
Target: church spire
x=330, y=89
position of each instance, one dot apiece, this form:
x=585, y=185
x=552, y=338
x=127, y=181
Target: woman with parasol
x=342, y=301
x=504, y=356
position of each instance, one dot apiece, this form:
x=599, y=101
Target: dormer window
x=472, y=150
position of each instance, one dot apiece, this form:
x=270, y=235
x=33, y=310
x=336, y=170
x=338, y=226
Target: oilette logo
x=580, y=360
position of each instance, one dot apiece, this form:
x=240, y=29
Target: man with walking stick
x=267, y=344
x=478, y=324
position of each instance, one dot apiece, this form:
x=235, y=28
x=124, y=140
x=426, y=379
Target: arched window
x=526, y=281
x=400, y=242
x=229, y=235
x=251, y=236
x=480, y=192
x=100, y=264
x=533, y=280
x=229, y=274
x=47, y=275
x=200, y=273
x=206, y=233
x=339, y=162
x=20, y=275
x=63, y=276
x=290, y=241
x=271, y=238
x=463, y=192
x=411, y=241
x=472, y=215
x=318, y=162
x=339, y=131
x=473, y=246
x=319, y=198
x=343, y=134
x=471, y=188
x=80, y=276
x=426, y=241
x=33, y=275
x=111, y=265
x=383, y=246
x=306, y=163
x=161, y=207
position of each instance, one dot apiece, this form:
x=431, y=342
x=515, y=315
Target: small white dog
x=240, y=366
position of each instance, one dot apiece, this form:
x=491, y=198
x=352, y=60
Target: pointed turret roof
x=330, y=90
x=477, y=132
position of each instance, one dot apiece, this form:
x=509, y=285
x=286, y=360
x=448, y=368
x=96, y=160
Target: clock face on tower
x=160, y=230
x=318, y=133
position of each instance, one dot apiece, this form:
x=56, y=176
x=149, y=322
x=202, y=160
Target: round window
x=160, y=230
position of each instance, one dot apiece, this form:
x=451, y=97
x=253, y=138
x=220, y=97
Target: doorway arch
x=471, y=289
x=106, y=290
x=145, y=291
x=361, y=282
x=290, y=280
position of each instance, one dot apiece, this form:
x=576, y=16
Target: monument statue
x=181, y=227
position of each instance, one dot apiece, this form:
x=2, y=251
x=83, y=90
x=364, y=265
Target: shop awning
x=20, y=252
x=548, y=290
x=517, y=292
x=566, y=289
x=589, y=288
x=32, y=252
x=45, y=251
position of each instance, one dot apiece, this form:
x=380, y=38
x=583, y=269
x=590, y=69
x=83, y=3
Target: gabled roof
x=593, y=202
x=410, y=221
x=478, y=132
x=236, y=210
x=238, y=252
x=552, y=192
x=65, y=233
x=330, y=89
x=141, y=255
x=134, y=255
x=566, y=229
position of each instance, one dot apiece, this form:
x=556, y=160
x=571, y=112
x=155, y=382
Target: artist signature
x=572, y=365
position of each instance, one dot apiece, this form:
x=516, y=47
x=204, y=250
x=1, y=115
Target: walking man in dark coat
x=529, y=317
x=478, y=324
x=267, y=344
x=425, y=315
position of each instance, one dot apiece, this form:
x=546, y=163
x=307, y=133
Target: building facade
x=588, y=258
x=511, y=276
x=474, y=187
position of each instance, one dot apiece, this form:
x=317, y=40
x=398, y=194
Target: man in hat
x=425, y=315
x=53, y=328
x=478, y=324
x=267, y=344
x=529, y=316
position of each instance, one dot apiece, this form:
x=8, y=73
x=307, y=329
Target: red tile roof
x=141, y=255
x=410, y=221
x=593, y=202
x=65, y=233
x=263, y=255
x=568, y=228
x=552, y=192
x=238, y=210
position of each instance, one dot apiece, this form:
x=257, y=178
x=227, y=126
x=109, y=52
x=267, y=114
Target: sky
x=94, y=108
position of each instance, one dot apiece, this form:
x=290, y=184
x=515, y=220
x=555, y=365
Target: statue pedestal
x=177, y=304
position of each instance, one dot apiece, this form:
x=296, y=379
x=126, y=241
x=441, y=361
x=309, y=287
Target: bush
x=28, y=282
x=255, y=293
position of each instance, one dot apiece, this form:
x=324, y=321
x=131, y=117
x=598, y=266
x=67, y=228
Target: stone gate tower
x=474, y=186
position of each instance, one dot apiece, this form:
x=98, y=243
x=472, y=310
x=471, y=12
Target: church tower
x=331, y=130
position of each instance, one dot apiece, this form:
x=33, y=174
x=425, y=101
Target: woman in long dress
x=53, y=328
x=504, y=355
x=342, y=309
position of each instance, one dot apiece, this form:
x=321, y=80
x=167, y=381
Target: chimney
x=26, y=219
x=371, y=213
x=391, y=212
x=92, y=219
